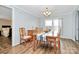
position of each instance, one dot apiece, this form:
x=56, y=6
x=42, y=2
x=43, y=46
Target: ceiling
x=36, y=10
x=5, y=13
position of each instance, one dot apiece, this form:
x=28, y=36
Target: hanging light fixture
x=47, y=12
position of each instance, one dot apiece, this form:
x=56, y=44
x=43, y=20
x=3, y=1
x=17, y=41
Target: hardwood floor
x=67, y=47
x=5, y=44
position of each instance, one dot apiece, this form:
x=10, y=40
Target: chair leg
x=50, y=45
x=34, y=45
x=20, y=41
x=55, y=44
x=25, y=43
x=58, y=44
x=37, y=43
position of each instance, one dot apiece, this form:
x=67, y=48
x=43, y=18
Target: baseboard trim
x=15, y=44
x=65, y=37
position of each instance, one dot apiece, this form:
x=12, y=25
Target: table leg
x=34, y=43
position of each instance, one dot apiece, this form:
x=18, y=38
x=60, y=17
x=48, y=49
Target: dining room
x=44, y=29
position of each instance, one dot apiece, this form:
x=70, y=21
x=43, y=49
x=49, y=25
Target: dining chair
x=5, y=32
x=55, y=39
x=23, y=35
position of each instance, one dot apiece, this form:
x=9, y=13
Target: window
x=56, y=22
x=48, y=23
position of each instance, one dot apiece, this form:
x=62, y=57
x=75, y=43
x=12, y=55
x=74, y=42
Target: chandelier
x=46, y=12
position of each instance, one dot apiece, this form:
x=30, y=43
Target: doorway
x=5, y=28
x=77, y=27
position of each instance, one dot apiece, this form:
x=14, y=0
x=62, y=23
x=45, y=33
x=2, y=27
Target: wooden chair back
x=22, y=32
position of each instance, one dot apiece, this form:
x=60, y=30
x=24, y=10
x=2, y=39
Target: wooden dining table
x=35, y=41
x=48, y=39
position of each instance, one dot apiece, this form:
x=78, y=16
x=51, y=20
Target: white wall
x=5, y=16
x=5, y=22
x=21, y=19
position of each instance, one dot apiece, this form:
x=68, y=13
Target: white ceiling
x=5, y=13
x=36, y=10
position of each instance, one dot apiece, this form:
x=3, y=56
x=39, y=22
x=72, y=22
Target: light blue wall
x=42, y=23
x=21, y=19
x=69, y=25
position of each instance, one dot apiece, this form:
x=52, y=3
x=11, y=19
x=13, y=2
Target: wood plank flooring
x=68, y=46
x=5, y=44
